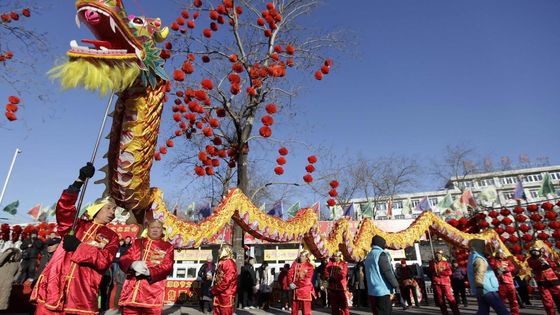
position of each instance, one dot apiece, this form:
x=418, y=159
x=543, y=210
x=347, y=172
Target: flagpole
x=9, y=174
x=92, y=159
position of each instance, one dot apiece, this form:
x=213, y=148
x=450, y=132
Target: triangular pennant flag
x=35, y=211
x=12, y=207
x=445, y=203
x=519, y=192
x=367, y=210
x=489, y=194
x=546, y=187
x=277, y=209
x=294, y=209
x=467, y=198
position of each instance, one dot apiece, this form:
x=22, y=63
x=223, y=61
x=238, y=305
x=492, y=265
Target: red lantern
x=283, y=151
x=307, y=178
x=516, y=248
x=483, y=224
x=547, y=206
x=331, y=202
x=536, y=217
x=524, y=228
x=453, y=222
x=334, y=184
x=513, y=239
x=281, y=160
x=543, y=236
x=539, y=226
x=554, y=225
x=493, y=214
x=333, y=193
x=499, y=230
x=279, y=170
x=505, y=212
x=532, y=208
x=520, y=218
x=527, y=237
x=551, y=215
x=556, y=234
x=518, y=210
x=507, y=221
x=496, y=222
x=510, y=230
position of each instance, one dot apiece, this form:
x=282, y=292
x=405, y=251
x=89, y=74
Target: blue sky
x=420, y=75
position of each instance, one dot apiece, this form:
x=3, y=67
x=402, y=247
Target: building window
x=555, y=175
x=381, y=206
x=399, y=216
x=508, y=195
x=533, y=178
x=415, y=203
x=433, y=201
x=486, y=182
x=181, y=273
x=509, y=180
x=397, y=204
x=466, y=184
x=534, y=193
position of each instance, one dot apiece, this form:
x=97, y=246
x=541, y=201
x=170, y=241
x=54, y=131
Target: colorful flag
x=34, y=212
x=367, y=210
x=467, y=198
x=407, y=207
x=204, y=211
x=349, y=211
x=277, y=209
x=459, y=207
x=546, y=187
x=423, y=205
x=12, y=207
x=445, y=203
x=263, y=207
x=489, y=194
x=390, y=208
x=317, y=209
x=519, y=192
x=325, y=214
x=292, y=211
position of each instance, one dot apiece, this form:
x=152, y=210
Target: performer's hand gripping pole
x=92, y=160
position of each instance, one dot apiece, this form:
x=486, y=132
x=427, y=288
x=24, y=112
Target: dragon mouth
x=113, y=38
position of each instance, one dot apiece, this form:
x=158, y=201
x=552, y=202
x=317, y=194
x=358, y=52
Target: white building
x=504, y=183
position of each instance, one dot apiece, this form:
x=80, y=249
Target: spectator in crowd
x=51, y=244
x=458, y=278
x=359, y=285
x=118, y=275
x=300, y=275
x=380, y=277
x=504, y=268
x=105, y=288
x=320, y=285
x=419, y=275
x=405, y=275
x=441, y=273
x=547, y=280
x=248, y=282
x=206, y=274
x=483, y=281
x=31, y=248
x=522, y=290
x=9, y=272
x=284, y=285
x=147, y=264
x=335, y=272
x=264, y=283
x=71, y=280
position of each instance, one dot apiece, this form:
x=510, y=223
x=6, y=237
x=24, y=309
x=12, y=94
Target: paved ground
x=536, y=309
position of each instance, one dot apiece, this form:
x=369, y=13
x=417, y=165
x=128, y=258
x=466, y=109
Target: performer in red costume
x=225, y=283
x=503, y=267
x=441, y=273
x=300, y=275
x=147, y=264
x=69, y=284
x=335, y=273
x=548, y=282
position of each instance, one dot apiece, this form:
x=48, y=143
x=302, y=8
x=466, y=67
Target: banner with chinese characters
x=124, y=230
x=280, y=254
x=192, y=254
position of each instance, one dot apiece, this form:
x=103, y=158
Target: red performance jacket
x=146, y=292
x=225, y=283
x=505, y=276
x=441, y=272
x=335, y=273
x=301, y=275
x=70, y=282
x=543, y=269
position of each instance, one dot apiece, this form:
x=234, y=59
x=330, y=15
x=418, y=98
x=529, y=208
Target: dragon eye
x=138, y=20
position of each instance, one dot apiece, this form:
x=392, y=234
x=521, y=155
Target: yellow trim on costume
x=137, y=284
x=66, y=310
x=220, y=305
x=73, y=265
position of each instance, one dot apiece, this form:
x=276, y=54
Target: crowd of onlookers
x=24, y=260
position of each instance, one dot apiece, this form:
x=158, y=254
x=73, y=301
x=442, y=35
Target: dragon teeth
x=74, y=44
x=113, y=24
x=78, y=23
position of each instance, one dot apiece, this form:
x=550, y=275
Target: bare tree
x=505, y=163
x=456, y=163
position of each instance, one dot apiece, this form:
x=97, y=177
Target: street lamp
x=18, y=151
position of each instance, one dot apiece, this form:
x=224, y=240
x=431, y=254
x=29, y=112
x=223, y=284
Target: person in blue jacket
x=380, y=277
x=483, y=282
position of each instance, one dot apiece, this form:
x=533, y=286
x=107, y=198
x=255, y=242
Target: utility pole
x=9, y=173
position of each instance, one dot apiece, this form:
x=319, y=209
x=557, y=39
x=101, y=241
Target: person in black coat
x=248, y=281
x=30, y=247
x=206, y=273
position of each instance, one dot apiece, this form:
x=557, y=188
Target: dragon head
x=123, y=50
